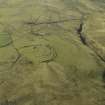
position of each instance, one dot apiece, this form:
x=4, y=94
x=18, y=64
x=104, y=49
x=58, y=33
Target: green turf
x=42, y=58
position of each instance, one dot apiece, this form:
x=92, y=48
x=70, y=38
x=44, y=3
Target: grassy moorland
x=52, y=52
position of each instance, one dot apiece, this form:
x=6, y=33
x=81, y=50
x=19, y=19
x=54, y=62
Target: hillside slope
x=52, y=52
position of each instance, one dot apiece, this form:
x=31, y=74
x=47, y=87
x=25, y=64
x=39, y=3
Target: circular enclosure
x=5, y=39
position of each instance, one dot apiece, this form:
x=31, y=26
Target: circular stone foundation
x=5, y=39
